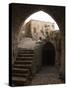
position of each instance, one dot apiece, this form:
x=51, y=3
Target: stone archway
x=48, y=54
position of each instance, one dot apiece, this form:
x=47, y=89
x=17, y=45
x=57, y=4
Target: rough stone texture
x=20, y=13
x=28, y=41
x=37, y=29
x=37, y=63
x=62, y=57
x=53, y=36
x=47, y=75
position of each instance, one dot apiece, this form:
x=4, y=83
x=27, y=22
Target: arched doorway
x=48, y=54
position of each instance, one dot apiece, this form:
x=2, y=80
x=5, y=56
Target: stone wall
x=62, y=62
x=37, y=29
x=37, y=63
x=55, y=37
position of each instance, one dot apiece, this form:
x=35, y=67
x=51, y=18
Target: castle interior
x=38, y=55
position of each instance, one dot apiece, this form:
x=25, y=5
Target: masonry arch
x=22, y=12
x=42, y=16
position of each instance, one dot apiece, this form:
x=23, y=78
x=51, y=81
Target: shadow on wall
x=48, y=54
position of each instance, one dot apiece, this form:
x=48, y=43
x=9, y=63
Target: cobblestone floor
x=47, y=75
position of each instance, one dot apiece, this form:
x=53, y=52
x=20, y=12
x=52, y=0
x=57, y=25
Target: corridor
x=47, y=75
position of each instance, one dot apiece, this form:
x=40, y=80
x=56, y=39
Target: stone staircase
x=21, y=72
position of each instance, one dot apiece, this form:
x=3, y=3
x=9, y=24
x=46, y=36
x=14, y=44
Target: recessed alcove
x=48, y=54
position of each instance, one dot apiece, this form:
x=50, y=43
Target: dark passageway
x=48, y=54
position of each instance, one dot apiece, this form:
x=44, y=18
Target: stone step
x=21, y=70
x=20, y=49
x=24, y=58
x=25, y=51
x=23, y=62
x=20, y=74
x=17, y=70
x=25, y=55
x=22, y=66
x=19, y=81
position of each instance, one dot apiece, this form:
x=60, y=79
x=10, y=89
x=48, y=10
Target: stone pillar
x=62, y=67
